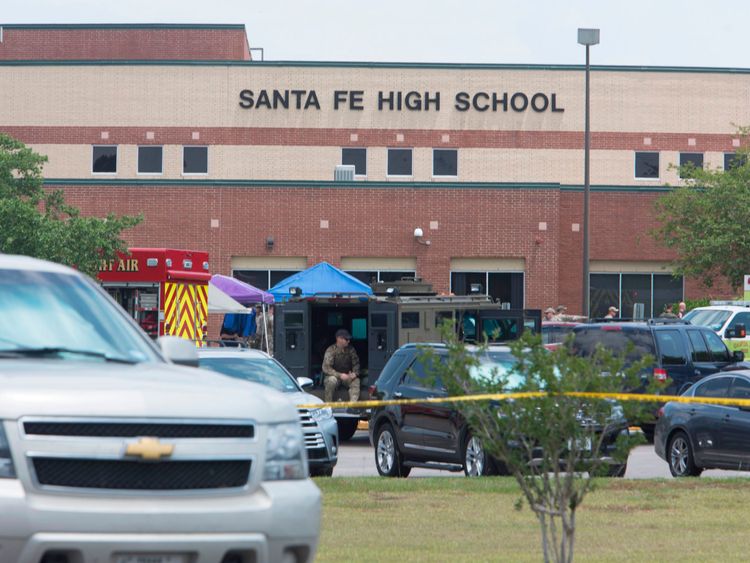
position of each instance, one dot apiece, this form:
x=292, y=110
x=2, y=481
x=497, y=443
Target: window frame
x=486, y=282
x=387, y=162
x=619, y=289
x=702, y=384
x=138, y=160
x=356, y=175
x=433, y=163
x=635, y=166
x=183, y=160
x=680, y=164
x=117, y=158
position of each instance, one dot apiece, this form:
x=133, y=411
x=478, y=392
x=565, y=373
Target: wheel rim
x=679, y=455
x=386, y=452
x=474, y=458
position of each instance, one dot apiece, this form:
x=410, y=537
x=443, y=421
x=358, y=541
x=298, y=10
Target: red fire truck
x=164, y=290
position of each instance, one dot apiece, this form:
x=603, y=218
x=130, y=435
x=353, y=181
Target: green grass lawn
x=454, y=519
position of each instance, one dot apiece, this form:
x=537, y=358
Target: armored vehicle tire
x=387, y=455
x=347, y=428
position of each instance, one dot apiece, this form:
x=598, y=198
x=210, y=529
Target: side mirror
x=738, y=356
x=305, y=382
x=179, y=351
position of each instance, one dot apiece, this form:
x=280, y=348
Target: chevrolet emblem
x=149, y=449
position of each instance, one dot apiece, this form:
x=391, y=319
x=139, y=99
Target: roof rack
x=218, y=343
x=736, y=303
x=668, y=321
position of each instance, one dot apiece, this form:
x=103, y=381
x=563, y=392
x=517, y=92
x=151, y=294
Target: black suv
x=683, y=353
x=435, y=435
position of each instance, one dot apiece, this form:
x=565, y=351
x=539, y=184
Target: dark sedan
x=692, y=437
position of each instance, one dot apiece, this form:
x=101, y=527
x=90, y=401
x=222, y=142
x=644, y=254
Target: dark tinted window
x=636, y=288
x=357, y=158
x=104, y=160
x=634, y=342
x=293, y=320
x=740, y=318
x=718, y=387
x=379, y=320
x=410, y=320
x=149, y=160
x=694, y=158
x=278, y=276
x=732, y=159
x=365, y=276
x=399, y=162
x=667, y=290
x=391, y=276
x=671, y=349
x=442, y=316
x=445, y=162
x=604, y=291
x=500, y=330
x=716, y=346
x=195, y=160
x=698, y=346
x=554, y=334
x=740, y=388
x=256, y=278
x=647, y=165
x=422, y=374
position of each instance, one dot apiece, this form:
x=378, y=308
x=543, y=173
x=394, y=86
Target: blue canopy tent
x=321, y=278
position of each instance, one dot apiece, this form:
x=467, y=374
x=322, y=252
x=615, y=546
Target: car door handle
x=697, y=372
x=398, y=395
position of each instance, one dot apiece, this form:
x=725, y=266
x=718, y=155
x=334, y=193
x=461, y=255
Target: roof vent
x=344, y=173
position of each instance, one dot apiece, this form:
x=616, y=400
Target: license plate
x=150, y=558
x=581, y=444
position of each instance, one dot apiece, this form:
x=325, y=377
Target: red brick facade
x=118, y=42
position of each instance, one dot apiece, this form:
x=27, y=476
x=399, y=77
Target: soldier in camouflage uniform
x=341, y=367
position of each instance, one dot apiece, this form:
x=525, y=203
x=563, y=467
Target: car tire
x=617, y=470
x=475, y=460
x=347, y=428
x=326, y=471
x=680, y=457
x=388, y=459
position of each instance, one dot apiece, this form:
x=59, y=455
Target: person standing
x=560, y=313
x=549, y=314
x=264, y=334
x=681, y=310
x=341, y=367
x=668, y=313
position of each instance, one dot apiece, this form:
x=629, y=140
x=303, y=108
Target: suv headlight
x=285, y=453
x=7, y=471
x=321, y=414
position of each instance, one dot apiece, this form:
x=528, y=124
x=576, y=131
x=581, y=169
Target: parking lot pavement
x=357, y=459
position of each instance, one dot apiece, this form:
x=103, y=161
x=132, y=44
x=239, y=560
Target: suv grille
x=135, y=429
x=305, y=419
x=135, y=475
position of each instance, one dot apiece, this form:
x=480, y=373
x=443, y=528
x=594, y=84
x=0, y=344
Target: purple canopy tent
x=240, y=291
x=245, y=294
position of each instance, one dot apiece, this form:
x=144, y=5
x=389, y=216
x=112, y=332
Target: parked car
x=692, y=437
x=683, y=354
x=110, y=452
x=730, y=322
x=319, y=426
x=435, y=435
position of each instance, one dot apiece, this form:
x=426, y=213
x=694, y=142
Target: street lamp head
x=588, y=36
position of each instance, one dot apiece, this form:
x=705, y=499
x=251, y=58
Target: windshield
x=712, y=318
x=64, y=316
x=265, y=371
x=497, y=366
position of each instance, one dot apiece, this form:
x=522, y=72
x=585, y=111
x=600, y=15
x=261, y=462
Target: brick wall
x=124, y=42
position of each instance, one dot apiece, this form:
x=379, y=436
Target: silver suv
x=109, y=452
x=319, y=426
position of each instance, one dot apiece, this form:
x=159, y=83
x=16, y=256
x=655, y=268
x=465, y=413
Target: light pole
x=586, y=37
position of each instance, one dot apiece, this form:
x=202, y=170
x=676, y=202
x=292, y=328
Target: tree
x=706, y=219
x=548, y=443
x=34, y=222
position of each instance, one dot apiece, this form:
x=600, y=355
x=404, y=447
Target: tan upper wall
x=208, y=96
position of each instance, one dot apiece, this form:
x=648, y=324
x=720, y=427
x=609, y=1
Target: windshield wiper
x=57, y=350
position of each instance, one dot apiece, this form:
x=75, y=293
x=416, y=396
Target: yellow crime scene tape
x=532, y=395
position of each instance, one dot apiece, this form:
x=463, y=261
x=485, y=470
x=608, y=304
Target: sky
x=633, y=32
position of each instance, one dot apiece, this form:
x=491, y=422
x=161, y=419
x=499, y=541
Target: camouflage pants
x=331, y=383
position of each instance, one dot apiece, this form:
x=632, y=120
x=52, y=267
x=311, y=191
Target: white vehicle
x=318, y=425
x=724, y=319
x=110, y=453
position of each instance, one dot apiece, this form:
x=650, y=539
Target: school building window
x=356, y=157
x=195, y=160
x=400, y=162
x=104, y=159
x=505, y=287
x=150, y=160
x=374, y=276
x=732, y=159
x=445, y=162
x=629, y=291
x=694, y=158
x=263, y=279
x=647, y=165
